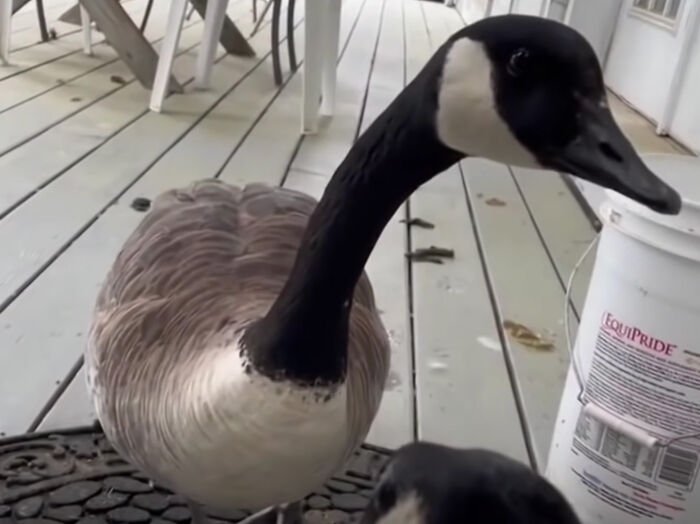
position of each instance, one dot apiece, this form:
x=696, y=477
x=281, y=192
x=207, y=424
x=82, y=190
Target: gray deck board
x=387, y=267
x=528, y=293
x=565, y=231
x=460, y=366
x=70, y=169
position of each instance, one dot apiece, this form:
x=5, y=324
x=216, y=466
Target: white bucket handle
x=635, y=433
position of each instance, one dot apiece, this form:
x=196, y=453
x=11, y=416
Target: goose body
x=205, y=262
x=236, y=353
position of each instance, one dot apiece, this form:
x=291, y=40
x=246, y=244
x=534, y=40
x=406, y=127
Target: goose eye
x=517, y=65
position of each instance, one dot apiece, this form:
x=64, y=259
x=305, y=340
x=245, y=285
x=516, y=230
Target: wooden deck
x=77, y=144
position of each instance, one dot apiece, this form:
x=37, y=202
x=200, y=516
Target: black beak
x=603, y=155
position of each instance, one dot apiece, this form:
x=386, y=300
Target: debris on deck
x=527, y=337
x=431, y=254
x=418, y=222
x=495, y=202
x=141, y=204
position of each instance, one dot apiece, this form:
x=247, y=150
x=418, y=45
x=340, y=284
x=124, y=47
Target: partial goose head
x=427, y=483
x=528, y=91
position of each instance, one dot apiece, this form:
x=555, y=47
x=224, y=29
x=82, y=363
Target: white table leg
x=315, y=18
x=5, y=30
x=86, y=24
x=331, y=32
x=168, y=48
x=213, y=24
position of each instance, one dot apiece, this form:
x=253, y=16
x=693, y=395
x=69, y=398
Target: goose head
x=529, y=92
x=427, y=483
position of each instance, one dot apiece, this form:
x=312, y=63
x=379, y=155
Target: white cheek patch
x=467, y=118
x=407, y=511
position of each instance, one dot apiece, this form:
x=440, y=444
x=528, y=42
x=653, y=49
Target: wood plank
x=57, y=215
x=528, y=293
x=564, y=228
x=218, y=132
x=127, y=40
x=460, y=366
x=387, y=267
x=74, y=410
x=563, y=232
x=37, y=162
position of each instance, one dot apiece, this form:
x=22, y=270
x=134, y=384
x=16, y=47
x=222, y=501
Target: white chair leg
x=87, y=30
x=5, y=30
x=168, y=48
x=315, y=14
x=330, y=58
x=213, y=24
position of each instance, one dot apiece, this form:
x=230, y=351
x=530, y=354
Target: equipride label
x=653, y=383
x=636, y=336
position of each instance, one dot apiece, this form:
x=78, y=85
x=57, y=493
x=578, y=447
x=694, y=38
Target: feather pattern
x=204, y=263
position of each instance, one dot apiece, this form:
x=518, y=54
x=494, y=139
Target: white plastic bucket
x=638, y=354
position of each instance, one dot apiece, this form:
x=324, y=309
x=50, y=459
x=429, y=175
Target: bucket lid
x=681, y=172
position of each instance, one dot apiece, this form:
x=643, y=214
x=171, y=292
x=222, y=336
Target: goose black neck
x=305, y=334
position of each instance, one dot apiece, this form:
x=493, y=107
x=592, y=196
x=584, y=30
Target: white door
x=596, y=20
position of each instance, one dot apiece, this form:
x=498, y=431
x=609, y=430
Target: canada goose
x=236, y=353
x=426, y=483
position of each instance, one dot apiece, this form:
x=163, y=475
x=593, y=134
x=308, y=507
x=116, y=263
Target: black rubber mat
x=76, y=476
